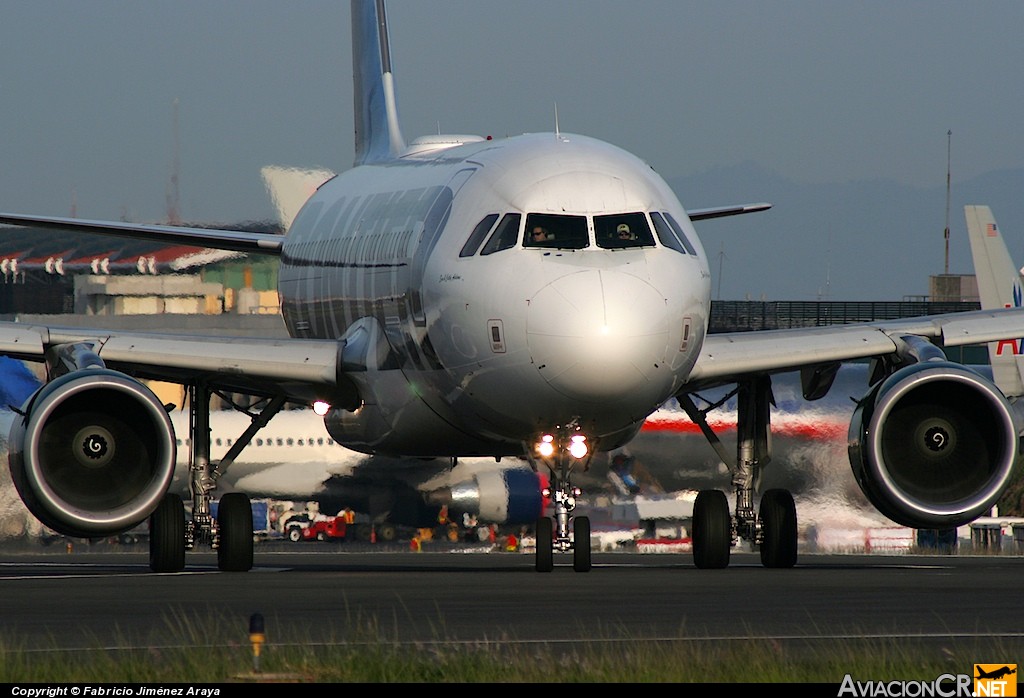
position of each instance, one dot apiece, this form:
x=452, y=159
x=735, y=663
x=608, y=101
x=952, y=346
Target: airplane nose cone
x=596, y=335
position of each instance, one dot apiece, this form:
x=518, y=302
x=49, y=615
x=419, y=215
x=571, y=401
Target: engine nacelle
x=93, y=453
x=506, y=496
x=933, y=445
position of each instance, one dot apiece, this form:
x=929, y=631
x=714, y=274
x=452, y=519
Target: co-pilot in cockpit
x=566, y=232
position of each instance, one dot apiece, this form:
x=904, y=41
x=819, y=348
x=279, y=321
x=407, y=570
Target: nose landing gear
x=553, y=532
x=551, y=537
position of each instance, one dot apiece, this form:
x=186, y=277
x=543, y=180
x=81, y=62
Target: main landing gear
x=773, y=529
x=230, y=531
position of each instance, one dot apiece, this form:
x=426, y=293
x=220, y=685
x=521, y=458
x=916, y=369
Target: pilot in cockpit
x=624, y=233
x=540, y=234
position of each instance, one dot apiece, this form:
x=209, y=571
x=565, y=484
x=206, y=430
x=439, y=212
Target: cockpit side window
x=505, y=235
x=680, y=234
x=478, y=235
x=665, y=234
x=562, y=232
x=623, y=230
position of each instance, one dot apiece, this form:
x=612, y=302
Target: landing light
x=321, y=408
x=546, y=447
x=578, y=446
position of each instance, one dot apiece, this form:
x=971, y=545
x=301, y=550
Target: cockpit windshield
x=623, y=230
x=565, y=232
x=553, y=231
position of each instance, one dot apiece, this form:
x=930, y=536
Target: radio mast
x=949, y=138
x=173, y=195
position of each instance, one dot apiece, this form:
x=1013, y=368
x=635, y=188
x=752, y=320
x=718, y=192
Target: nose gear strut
x=553, y=532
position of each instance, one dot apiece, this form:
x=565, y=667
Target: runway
x=326, y=595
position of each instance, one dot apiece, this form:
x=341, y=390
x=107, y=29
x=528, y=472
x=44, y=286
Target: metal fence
x=739, y=316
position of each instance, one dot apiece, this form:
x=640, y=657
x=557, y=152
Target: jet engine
x=933, y=445
x=507, y=496
x=92, y=453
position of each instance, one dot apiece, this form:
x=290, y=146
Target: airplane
x=996, y=673
x=292, y=459
x=424, y=324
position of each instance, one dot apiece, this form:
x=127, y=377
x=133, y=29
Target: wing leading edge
x=733, y=356
x=702, y=214
x=299, y=370
x=233, y=240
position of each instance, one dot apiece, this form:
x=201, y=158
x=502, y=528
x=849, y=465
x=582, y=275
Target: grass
x=197, y=653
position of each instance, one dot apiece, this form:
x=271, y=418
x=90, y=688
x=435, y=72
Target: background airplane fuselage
x=465, y=353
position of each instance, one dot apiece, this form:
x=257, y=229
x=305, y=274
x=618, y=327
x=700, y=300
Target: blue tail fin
x=378, y=137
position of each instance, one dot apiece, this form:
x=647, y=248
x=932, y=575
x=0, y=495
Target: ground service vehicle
x=331, y=528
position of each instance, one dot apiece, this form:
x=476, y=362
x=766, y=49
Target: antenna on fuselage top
x=558, y=131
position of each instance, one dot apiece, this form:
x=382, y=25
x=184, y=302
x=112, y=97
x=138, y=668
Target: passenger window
x=680, y=234
x=623, y=230
x=665, y=234
x=561, y=232
x=505, y=235
x=478, y=235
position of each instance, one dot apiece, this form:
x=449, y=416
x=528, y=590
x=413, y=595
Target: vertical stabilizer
x=378, y=137
x=999, y=286
x=290, y=187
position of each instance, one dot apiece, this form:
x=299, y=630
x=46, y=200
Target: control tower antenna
x=949, y=138
x=721, y=258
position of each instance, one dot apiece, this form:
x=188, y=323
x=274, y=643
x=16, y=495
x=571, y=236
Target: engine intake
x=507, y=496
x=933, y=445
x=93, y=453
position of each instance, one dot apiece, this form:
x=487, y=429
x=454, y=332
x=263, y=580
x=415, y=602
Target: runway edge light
x=257, y=637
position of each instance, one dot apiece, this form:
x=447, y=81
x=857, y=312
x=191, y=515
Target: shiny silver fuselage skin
x=590, y=335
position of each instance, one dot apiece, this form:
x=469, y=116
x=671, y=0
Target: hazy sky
x=816, y=91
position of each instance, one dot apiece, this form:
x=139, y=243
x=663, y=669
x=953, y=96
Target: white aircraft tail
x=378, y=137
x=999, y=286
x=290, y=187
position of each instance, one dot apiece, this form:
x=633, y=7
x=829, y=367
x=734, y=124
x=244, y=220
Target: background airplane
x=431, y=326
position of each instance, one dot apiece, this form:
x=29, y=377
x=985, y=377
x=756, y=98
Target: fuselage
x=467, y=336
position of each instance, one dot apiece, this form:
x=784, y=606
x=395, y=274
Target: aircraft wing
x=728, y=356
x=701, y=214
x=234, y=240
x=300, y=370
